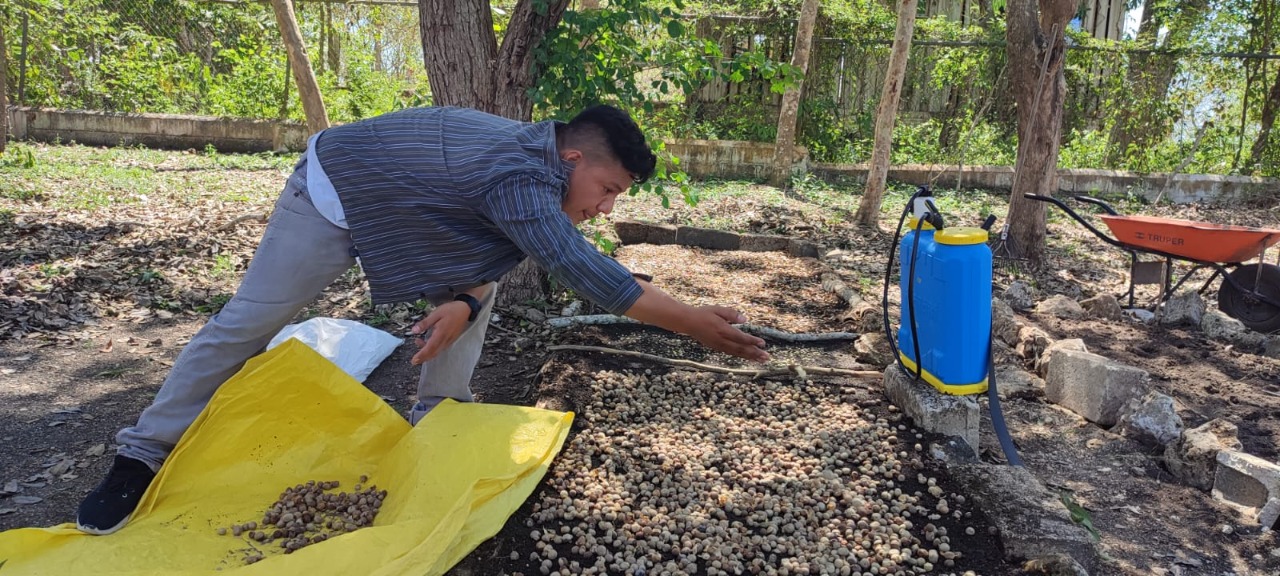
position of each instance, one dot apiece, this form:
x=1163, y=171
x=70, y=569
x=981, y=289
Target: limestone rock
x=1042, y=364
x=1004, y=323
x=1020, y=295
x=1153, y=420
x=1103, y=306
x=1059, y=306
x=1014, y=382
x=1032, y=342
x=1193, y=458
x=873, y=348
x=1218, y=326
x=1271, y=346
x=1185, y=308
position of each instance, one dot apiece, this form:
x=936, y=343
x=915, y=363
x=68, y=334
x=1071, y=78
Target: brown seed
x=222, y=531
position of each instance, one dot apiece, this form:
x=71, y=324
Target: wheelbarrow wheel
x=1244, y=305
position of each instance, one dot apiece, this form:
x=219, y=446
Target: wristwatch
x=472, y=303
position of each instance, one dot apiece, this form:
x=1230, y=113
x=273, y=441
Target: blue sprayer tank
x=952, y=307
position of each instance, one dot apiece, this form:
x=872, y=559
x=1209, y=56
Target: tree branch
x=237, y=221
x=792, y=369
x=762, y=331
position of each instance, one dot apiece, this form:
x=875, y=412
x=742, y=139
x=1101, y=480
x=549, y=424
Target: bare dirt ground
x=97, y=299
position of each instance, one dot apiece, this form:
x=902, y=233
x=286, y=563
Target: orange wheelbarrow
x=1249, y=293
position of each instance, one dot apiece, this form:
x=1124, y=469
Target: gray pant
x=300, y=254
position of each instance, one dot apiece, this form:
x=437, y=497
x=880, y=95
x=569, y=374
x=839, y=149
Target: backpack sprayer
x=945, y=336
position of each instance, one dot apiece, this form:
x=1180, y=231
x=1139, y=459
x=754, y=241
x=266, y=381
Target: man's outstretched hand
x=713, y=327
x=444, y=324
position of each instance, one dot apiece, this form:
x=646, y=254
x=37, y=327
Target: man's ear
x=571, y=155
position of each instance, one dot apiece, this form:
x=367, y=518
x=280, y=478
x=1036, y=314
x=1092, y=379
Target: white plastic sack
x=354, y=347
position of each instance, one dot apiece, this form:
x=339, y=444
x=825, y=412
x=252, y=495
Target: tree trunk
x=459, y=47
x=1036, y=52
x=1147, y=116
x=466, y=67
x=308, y=90
x=784, y=150
x=869, y=208
x=1269, y=111
x=335, y=44
x=516, y=73
x=4, y=92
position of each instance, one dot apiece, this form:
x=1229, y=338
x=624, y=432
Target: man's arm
x=530, y=215
x=709, y=325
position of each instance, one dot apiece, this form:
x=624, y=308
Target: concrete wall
x=156, y=130
x=699, y=158
x=728, y=158
x=1179, y=189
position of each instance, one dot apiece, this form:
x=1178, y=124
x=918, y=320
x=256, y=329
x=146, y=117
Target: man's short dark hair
x=611, y=130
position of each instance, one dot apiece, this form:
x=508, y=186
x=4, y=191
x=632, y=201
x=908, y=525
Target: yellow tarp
x=291, y=416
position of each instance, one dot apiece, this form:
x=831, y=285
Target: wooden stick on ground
x=762, y=331
x=754, y=373
x=237, y=221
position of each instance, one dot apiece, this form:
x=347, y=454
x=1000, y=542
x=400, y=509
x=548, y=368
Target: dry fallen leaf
x=107, y=348
x=4, y=511
x=11, y=487
x=96, y=450
x=26, y=500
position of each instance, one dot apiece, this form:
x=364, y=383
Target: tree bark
x=515, y=73
x=308, y=89
x=784, y=150
x=1269, y=111
x=1036, y=52
x=886, y=113
x=335, y=43
x=4, y=92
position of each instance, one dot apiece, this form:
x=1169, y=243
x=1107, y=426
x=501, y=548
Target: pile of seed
x=310, y=514
x=689, y=473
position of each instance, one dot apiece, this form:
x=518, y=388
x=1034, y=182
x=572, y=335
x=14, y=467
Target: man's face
x=594, y=185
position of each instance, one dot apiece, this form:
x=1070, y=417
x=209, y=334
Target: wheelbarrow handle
x=1078, y=218
x=1097, y=202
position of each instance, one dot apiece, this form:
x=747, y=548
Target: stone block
x=763, y=243
x=635, y=232
x=1249, y=482
x=1193, y=459
x=1184, y=308
x=1042, y=364
x=1059, y=306
x=1092, y=386
x=932, y=410
x=1032, y=522
x=1103, y=306
x=1153, y=420
x=708, y=238
x=802, y=249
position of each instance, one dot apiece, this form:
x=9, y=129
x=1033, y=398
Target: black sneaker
x=109, y=506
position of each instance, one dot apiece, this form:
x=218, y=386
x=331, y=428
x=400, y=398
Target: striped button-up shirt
x=440, y=200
